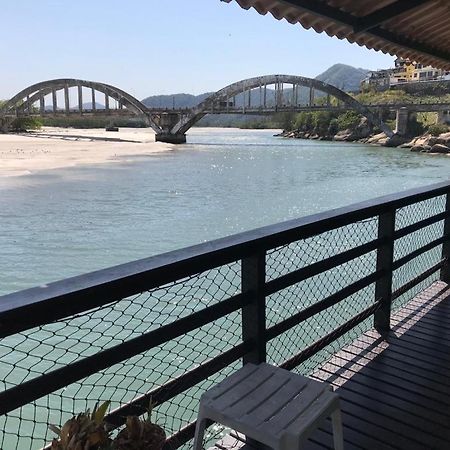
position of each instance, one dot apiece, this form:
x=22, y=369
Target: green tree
x=26, y=123
x=348, y=120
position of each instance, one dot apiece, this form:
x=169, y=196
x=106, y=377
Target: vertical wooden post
x=385, y=259
x=445, y=271
x=254, y=313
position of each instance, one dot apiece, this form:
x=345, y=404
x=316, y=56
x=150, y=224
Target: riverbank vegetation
x=425, y=133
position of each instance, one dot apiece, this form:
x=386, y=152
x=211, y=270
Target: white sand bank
x=53, y=148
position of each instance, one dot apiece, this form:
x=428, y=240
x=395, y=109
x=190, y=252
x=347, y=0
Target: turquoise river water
x=61, y=223
x=66, y=222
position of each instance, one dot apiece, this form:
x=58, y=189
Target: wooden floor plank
x=392, y=360
x=389, y=405
x=386, y=376
x=412, y=359
x=397, y=391
x=420, y=347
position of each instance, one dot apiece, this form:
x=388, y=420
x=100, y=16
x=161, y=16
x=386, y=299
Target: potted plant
x=88, y=431
x=85, y=431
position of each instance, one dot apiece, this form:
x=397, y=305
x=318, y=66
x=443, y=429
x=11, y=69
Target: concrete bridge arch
x=22, y=103
x=188, y=120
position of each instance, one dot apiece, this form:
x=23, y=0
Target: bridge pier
x=166, y=122
x=401, y=121
x=171, y=138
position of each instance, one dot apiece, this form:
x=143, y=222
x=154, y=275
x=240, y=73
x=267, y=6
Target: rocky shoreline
x=426, y=143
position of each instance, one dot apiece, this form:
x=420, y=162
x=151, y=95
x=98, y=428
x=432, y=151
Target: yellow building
x=403, y=72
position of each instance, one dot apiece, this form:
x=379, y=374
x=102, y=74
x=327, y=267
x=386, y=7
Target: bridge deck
x=395, y=394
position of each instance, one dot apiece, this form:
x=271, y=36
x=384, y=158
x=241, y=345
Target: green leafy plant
x=86, y=431
x=437, y=129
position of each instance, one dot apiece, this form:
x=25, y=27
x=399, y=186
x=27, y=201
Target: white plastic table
x=272, y=406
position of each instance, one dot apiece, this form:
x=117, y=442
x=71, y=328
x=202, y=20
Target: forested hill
x=342, y=76
x=174, y=100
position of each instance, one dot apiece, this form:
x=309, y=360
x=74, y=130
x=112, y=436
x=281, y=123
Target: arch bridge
x=259, y=95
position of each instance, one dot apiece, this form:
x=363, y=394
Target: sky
x=149, y=47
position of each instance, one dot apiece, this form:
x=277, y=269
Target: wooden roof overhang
x=414, y=29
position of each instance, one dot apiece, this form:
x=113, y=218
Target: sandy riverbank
x=53, y=148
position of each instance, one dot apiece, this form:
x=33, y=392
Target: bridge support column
x=166, y=122
x=171, y=138
x=401, y=121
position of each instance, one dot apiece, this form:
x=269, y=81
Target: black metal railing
x=168, y=327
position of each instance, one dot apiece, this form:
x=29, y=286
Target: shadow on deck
x=395, y=392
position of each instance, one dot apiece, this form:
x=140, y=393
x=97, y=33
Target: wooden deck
x=395, y=393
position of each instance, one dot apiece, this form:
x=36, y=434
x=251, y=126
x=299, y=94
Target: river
x=65, y=222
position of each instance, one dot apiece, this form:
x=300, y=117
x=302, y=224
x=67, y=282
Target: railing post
x=445, y=271
x=253, y=273
x=385, y=259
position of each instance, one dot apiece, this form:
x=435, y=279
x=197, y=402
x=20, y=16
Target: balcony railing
x=168, y=327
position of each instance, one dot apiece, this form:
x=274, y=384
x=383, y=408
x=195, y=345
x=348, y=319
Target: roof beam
x=387, y=13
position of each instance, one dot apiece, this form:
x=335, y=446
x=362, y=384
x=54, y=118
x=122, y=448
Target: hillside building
x=404, y=71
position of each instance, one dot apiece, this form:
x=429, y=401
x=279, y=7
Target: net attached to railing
x=347, y=288
x=413, y=242
x=300, y=296
x=34, y=352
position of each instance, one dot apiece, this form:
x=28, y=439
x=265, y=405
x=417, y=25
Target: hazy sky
x=151, y=47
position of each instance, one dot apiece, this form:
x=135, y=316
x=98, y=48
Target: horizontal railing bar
x=47, y=383
x=321, y=305
x=303, y=273
x=174, y=387
x=36, y=306
x=323, y=342
x=421, y=224
x=414, y=254
x=415, y=281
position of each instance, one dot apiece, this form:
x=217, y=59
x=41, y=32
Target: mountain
x=344, y=77
x=175, y=100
